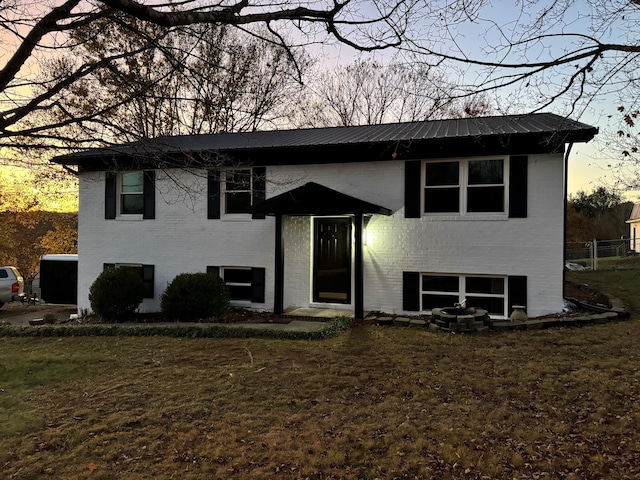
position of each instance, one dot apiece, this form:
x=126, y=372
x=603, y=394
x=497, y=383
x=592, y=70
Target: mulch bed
x=233, y=315
x=586, y=294
x=582, y=292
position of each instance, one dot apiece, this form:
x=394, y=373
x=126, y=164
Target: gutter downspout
x=564, y=223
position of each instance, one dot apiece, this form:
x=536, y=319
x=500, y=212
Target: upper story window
x=131, y=193
x=237, y=190
x=442, y=187
x=465, y=186
x=231, y=192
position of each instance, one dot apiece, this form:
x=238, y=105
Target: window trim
x=120, y=194
x=243, y=301
x=462, y=293
x=463, y=186
x=149, y=284
x=113, y=196
x=223, y=193
x=215, y=193
x=257, y=284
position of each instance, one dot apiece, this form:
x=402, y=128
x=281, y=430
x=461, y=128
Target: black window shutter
x=148, y=280
x=411, y=291
x=257, y=285
x=259, y=188
x=412, y=187
x=213, y=194
x=213, y=270
x=518, y=173
x=110, y=196
x=149, y=195
x=517, y=291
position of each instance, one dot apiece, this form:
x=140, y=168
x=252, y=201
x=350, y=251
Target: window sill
x=245, y=217
x=240, y=303
x=131, y=217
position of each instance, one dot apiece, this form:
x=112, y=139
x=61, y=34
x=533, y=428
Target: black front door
x=332, y=260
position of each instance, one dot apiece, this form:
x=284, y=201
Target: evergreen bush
x=116, y=293
x=194, y=296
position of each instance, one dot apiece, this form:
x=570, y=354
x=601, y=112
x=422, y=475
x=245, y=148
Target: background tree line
x=599, y=215
x=34, y=221
x=25, y=236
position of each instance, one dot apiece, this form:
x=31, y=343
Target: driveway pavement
x=19, y=314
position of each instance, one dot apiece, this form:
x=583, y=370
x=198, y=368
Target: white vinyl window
x=146, y=273
x=465, y=186
x=238, y=281
x=480, y=291
x=131, y=193
x=237, y=187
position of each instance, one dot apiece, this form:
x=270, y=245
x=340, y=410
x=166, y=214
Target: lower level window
x=486, y=292
x=245, y=284
x=238, y=281
x=146, y=272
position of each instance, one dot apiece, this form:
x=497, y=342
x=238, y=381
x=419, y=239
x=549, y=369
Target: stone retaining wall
x=434, y=322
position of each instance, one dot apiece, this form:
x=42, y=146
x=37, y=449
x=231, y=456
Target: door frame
x=348, y=220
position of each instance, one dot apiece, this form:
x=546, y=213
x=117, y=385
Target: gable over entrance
x=332, y=241
x=315, y=199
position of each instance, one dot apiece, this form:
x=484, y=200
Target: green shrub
x=194, y=296
x=116, y=293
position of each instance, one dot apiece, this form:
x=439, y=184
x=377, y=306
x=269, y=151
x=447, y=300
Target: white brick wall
x=298, y=254
x=181, y=239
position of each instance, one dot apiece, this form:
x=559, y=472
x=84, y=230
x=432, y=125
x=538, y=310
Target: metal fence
x=588, y=253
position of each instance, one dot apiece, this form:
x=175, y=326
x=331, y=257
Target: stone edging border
x=616, y=312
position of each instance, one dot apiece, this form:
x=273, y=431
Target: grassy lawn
x=373, y=403
x=609, y=263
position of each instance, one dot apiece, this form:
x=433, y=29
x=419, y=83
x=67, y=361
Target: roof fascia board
x=512, y=144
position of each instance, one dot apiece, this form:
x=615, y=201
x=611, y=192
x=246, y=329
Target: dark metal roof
x=545, y=127
x=315, y=199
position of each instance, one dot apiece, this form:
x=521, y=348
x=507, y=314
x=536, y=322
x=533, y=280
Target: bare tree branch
x=219, y=14
x=48, y=23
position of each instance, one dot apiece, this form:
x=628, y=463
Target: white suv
x=11, y=285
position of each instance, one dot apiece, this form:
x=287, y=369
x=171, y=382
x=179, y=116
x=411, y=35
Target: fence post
x=594, y=260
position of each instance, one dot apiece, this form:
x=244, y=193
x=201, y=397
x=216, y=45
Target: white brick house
x=398, y=218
